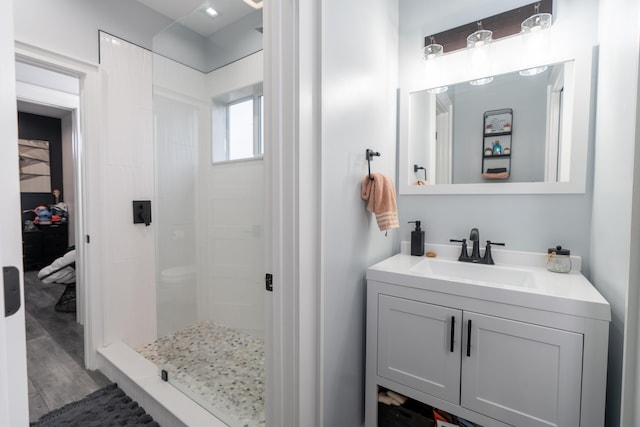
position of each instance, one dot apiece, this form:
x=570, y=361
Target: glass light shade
x=537, y=22
x=533, y=71
x=432, y=50
x=437, y=90
x=480, y=82
x=479, y=38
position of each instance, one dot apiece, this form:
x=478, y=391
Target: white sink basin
x=526, y=284
x=478, y=273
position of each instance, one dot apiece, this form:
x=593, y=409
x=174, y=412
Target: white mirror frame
x=501, y=57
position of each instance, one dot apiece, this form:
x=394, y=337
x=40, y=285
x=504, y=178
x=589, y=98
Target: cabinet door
x=419, y=346
x=521, y=374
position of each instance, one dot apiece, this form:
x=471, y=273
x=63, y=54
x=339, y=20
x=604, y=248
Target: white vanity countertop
x=569, y=293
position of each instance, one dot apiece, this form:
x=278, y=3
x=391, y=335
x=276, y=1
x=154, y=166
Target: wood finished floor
x=55, y=351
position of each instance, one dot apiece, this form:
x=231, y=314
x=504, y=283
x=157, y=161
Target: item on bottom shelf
x=397, y=397
x=496, y=173
x=464, y=423
x=399, y=416
x=387, y=400
x=440, y=415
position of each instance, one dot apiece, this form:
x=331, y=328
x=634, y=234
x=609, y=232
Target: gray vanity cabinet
x=520, y=373
x=508, y=373
x=415, y=347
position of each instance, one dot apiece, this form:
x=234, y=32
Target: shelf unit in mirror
x=496, y=144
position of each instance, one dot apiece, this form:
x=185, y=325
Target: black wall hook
x=370, y=155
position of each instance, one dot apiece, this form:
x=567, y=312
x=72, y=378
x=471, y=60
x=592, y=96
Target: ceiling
x=189, y=13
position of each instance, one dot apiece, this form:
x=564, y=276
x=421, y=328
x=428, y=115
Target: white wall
x=359, y=80
x=70, y=27
x=126, y=144
x=615, y=245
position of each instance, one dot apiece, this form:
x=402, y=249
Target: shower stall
x=209, y=213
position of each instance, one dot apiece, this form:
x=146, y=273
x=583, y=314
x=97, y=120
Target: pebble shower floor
x=220, y=368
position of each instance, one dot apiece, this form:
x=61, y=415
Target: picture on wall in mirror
x=35, y=170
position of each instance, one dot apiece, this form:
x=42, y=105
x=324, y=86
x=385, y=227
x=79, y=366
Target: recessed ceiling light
x=254, y=3
x=210, y=12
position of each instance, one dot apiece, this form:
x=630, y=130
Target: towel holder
x=416, y=168
x=370, y=155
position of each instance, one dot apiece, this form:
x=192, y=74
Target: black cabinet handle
x=469, y=338
x=453, y=332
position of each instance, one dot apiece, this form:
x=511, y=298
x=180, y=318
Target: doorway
x=48, y=106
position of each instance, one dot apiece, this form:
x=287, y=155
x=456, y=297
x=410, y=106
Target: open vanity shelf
x=496, y=143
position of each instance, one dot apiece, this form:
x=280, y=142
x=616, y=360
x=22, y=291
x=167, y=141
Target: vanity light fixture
x=437, y=90
x=210, y=12
x=481, y=82
x=480, y=37
x=536, y=22
x=505, y=24
x=533, y=71
x=432, y=50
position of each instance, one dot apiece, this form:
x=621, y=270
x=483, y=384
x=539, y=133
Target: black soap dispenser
x=417, y=240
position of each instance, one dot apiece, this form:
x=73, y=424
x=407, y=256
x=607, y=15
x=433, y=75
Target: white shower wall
x=210, y=216
x=234, y=218
x=126, y=150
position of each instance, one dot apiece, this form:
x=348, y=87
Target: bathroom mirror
x=454, y=152
x=444, y=144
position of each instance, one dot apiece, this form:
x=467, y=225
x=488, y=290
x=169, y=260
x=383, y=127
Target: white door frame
x=14, y=401
x=85, y=132
x=292, y=171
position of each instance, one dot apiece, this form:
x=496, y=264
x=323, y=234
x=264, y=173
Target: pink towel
x=381, y=194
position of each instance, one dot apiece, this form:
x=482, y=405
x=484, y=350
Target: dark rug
x=109, y=406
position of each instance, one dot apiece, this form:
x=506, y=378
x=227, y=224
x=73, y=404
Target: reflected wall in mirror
x=448, y=136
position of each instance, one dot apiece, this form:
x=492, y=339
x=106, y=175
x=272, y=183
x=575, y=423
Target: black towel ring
x=370, y=155
x=416, y=168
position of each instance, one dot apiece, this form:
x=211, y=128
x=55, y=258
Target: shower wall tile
x=237, y=75
x=170, y=77
x=231, y=221
x=128, y=271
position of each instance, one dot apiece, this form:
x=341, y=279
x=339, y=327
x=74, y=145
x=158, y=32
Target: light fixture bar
x=502, y=25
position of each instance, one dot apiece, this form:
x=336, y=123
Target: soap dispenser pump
x=417, y=240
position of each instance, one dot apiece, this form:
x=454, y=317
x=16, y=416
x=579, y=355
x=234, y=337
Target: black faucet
x=474, y=236
x=475, y=257
x=464, y=255
x=487, y=258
